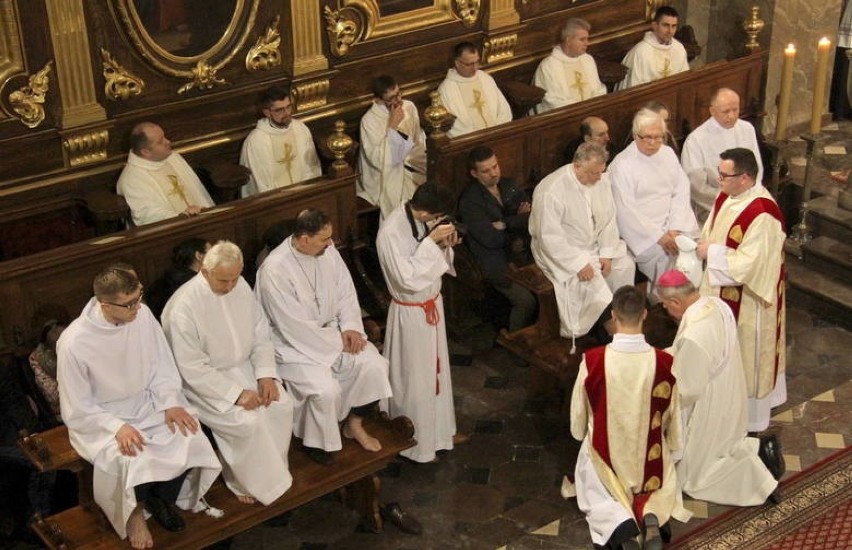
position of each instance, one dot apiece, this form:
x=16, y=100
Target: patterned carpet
x=815, y=513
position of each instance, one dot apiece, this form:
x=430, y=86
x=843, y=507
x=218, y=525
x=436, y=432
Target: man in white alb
x=471, y=94
x=658, y=55
x=280, y=150
x=569, y=74
x=156, y=182
x=223, y=349
x=331, y=371
x=700, y=156
x=392, y=158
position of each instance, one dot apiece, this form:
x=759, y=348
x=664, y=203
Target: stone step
x=828, y=298
x=826, y=218
x=830, y=257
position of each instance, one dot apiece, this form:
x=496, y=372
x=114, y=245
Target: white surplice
x=567, y=79
x=310, y=301
x=573, y=225
x=278, y=157
x=649, y=60
x=111, y=375
x=476, y=101
x=756, y=265
x=416, y=350
x=651, y=197
x=718, y=463
x=222, y=346
x=700, y=159
x=391, y=164
x=159, y=190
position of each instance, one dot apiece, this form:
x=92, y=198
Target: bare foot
x=137, y=529
x=354, y=429
x=246, y=499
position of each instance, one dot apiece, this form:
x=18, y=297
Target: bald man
x=592, y=130
x=700, y=157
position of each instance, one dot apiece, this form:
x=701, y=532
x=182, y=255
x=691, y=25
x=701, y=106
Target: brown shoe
x=461, y=439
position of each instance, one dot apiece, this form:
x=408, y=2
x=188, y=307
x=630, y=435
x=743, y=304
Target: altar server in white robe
x=575, y=239
x=743, y=243
x=156, y=182
x=658, y=55
x=329, y=368
x=471, y=94
x=120, y=396
x=625, y=410
x=415, y=251
x=569, y=74
x=392, y=158
x=223, y=349
x=700, y=156
x=719, y=463
x=651, y=193
x=280, y=151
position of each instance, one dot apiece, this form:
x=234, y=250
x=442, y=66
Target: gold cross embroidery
x=667, y=68
x=478, y=104
x=579, y=84
x=287, y=160
x=177, y=189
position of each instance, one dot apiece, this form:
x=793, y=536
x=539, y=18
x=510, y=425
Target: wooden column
x=307, y=37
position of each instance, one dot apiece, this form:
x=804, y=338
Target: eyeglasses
x=723, y=176
x=130, y=305
x=279, y=110
x=391, y=99
x=650, y=139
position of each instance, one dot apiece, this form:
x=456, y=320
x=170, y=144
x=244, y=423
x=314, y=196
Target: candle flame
x=790, y=49
x=824, y=42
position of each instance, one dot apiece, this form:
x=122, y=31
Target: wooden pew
x=354, y=473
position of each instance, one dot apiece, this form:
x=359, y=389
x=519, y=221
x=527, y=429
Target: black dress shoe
x=404, y=521
x=320, y=456
x=775, y=496
x=769, y=453
x=653, y=538
x=165, y=513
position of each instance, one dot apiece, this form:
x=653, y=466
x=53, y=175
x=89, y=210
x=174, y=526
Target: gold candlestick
x=752, y=28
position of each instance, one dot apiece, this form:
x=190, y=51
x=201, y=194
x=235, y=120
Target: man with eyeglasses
x=651, y=193
x=280, y=150
x=471, y=94
x=700, y=157
x=743, y=244
x=121, y=398
x=392, y=158
x=575, y=242
x=658, y=55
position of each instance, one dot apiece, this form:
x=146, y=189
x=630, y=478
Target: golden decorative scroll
x=265, y=54
x=28, y=101
x=309, y=95
x=344, y=27
x=120, y=83
x=498, y=48
x=203, y=78
x=467, y=11
x=85, y=148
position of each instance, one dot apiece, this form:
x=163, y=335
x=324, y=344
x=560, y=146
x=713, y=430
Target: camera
x=461, y=228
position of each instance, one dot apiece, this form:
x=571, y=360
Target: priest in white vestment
x=156, y=182
x=575, y=240
x=331, y=371
x=719, y=463
x=625, y=410
x=414, y=254
x=280, y=151
x=700, y=156
x=120, y=395
x=569, y=74
x=223, y=349
x=471, y=94
x=392, y=157
x=743, y=244
x=651, y=193
x=658, y=55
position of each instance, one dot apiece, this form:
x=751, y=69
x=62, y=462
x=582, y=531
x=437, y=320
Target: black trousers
x=166, y=491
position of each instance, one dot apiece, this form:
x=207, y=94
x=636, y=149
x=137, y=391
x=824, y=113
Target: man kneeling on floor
x=120, y=395
x=624, y=409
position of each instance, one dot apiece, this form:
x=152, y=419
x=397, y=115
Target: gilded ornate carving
x=497, y=48
x=309, y=95
x=265, y=54
x=86, y=148
x=339, y=143
x=344, y=28
x=11, y=54
x=438, y=119
x=467, y=11
x=28, y=101
x=120, y=83
x=651, y=7
x=203, y=78
x=752, y=27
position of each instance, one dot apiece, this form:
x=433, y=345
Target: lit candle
x=819, y=84
x=784, y=94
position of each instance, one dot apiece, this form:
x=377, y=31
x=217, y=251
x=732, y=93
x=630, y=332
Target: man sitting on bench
x=120, y=396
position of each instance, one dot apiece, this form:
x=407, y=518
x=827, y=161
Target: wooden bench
x=354, y=474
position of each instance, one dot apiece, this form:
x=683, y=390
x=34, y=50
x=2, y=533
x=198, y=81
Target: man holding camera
x=415, y=245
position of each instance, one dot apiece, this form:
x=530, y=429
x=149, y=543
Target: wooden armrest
x=610, y=72
x=52, y=450
x=522, y=96
x=530, y=277
x=226, y=175
x=106, y=206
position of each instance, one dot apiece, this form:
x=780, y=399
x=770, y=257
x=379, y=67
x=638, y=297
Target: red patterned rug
x=815, y=514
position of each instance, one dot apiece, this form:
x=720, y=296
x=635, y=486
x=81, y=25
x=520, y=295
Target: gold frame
x=11, y=50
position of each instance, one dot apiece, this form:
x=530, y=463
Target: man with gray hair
x=569, y=74
x=651, y=193
x=223, y=348
x=575, y=240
